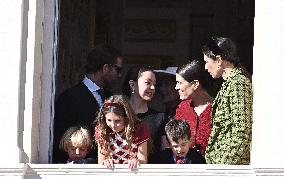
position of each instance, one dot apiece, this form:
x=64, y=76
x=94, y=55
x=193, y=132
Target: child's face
x=77, y=153
x=115, y=122
x=181, y=147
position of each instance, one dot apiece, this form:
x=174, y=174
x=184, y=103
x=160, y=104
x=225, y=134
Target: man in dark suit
x=79, y=104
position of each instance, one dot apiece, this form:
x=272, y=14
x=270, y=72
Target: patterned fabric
x=230, y=139
x=180, y=160
x=200, y=126
x=119, y=146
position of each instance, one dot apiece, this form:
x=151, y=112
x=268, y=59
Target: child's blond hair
x=77, y=136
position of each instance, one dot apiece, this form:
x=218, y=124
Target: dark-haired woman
x=192, y=84
x=139, y=86
x=230, y=138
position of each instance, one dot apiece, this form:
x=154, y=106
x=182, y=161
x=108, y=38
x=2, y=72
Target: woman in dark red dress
x=192, y=84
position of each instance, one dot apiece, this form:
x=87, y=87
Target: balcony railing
x=41, y=171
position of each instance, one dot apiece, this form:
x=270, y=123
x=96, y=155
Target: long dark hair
x=226, y=49
x=194, y=70
x=133, y=74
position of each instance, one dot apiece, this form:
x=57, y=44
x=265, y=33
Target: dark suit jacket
x=166, y=157
x=75, y=106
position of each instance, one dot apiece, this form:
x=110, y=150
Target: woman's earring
x=132, y=91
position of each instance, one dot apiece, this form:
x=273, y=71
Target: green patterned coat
x=230, y=138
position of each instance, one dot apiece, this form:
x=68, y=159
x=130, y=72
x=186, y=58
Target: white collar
x=90, y=84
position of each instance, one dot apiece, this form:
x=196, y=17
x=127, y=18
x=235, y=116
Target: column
x=268, y=84
x=10, y=35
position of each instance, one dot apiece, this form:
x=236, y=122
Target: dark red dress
x=200, y=126
x=119, y=147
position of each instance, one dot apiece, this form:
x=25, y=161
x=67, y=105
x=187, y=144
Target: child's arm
x=141, y=156
x=102, y=159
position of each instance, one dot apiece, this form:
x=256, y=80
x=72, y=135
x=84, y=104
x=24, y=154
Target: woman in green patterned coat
x=230, y=137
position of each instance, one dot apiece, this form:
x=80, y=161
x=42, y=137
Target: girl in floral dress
x=121, y=138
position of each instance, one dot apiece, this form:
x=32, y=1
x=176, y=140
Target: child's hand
x=109, y=163
x=132, y=163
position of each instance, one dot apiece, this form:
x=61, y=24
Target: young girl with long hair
x=121, y=138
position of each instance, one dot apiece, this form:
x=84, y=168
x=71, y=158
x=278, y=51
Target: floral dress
x=119, y=148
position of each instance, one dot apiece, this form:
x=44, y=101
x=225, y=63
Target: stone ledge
x=40, y=171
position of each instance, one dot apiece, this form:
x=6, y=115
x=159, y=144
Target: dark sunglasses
x=213, y=47
x=117, y=68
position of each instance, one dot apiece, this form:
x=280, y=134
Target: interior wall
x=76, y=39
x=156, y=32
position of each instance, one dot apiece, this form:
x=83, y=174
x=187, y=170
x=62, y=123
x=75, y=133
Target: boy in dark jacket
x=178, y=135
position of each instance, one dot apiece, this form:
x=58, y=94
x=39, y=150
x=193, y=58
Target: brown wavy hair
x=119, y=105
